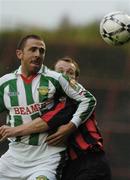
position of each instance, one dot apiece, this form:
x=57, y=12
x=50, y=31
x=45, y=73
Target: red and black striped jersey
x=86, y=137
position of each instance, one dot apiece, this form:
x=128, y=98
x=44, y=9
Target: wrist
x=71, y=126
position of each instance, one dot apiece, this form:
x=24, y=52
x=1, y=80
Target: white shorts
x=44, y=169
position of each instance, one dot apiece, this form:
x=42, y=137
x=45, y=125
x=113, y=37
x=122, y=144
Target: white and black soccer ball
x=115, y=28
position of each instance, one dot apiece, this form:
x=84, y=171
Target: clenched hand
x=61, y=134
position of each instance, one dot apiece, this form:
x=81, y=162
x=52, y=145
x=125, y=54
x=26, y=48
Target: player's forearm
x=35, y=126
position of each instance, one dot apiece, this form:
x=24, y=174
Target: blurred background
x=71, y=27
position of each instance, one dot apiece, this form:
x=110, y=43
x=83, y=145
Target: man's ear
x=19, y=54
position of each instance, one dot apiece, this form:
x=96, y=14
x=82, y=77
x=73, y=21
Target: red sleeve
x=49, y=115
x=60, y=114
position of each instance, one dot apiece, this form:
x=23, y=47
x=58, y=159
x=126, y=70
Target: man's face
x=31, y=56
x=66, y=68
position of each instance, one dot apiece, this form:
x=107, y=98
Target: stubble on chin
x=35, y=70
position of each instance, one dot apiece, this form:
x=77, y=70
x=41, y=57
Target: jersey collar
x=19, y=70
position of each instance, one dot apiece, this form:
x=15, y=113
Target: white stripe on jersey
x=52, y=90
x=7, y=97
x=35, y=92
x=20, y=88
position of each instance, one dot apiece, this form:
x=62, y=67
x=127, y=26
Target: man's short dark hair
x=23, y=40
x=70, y=60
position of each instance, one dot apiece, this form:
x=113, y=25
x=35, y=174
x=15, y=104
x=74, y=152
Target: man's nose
x=37, y=53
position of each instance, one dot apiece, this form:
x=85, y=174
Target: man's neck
x=28, y=75
x=28, y=79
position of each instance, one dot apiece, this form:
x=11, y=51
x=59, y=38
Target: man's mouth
x=35, y=63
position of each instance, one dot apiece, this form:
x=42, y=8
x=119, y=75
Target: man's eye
x=33, y=49
x=71, y=73
x=42, y=51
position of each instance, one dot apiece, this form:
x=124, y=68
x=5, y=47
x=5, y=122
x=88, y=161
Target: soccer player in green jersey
x=23, y=94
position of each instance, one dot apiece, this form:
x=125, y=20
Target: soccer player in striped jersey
x=23, y=94
x=87, y=159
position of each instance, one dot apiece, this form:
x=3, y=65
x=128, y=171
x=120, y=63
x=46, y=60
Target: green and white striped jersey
x=24, y=101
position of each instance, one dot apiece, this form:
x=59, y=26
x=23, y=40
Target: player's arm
x=57, y=116
x=86, y=102
x=61, y=114
x=59, y=119
x=35, y=126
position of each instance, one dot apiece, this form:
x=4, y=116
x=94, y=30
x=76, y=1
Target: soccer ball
x=115, y=28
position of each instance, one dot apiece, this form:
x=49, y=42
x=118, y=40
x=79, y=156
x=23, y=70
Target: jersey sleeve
x=85, y=100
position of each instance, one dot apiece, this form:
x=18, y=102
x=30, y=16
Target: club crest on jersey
x=13, y=94
x=74, y=84
x=42, y=178
x=43, y=90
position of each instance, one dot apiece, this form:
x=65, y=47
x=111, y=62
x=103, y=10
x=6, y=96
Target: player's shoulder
x=7, y=77
x=51, y=73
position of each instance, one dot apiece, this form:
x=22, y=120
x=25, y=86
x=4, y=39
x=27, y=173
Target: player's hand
x=6, y=132
x=61, y=134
